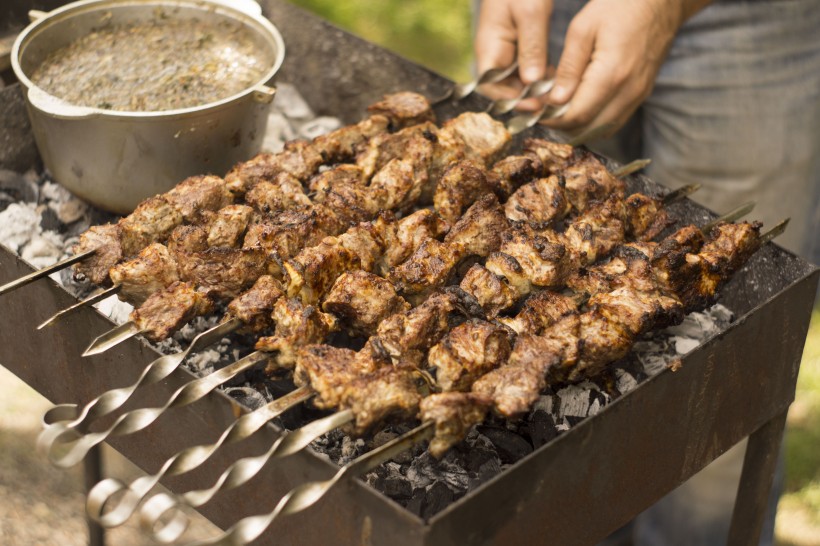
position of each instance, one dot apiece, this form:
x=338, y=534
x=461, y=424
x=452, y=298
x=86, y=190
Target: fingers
x=531, y=18
x=495, y=36
x=578, y=47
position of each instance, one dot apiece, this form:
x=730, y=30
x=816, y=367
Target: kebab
x=450, y=415
x=370, y=385
x=102, y=247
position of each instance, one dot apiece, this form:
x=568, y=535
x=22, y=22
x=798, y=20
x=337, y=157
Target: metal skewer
x=102, y=496
x=91, y=300
x=462, y=90
x=69, y=416
x=153, y=511
x=534, y=89
x=66, y=447
x=522, y=122
x=112, y=338
x=298, y=499
x=31, y=277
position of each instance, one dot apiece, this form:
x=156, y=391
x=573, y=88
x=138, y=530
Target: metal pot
x=116, y=159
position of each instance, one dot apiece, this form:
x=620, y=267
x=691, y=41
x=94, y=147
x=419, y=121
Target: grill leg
x=756, y=482
x=92, y=470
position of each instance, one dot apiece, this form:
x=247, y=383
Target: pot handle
x=263, y=94
x=52, y=106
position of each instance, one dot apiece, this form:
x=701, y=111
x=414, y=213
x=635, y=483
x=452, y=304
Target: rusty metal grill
x=573, y=490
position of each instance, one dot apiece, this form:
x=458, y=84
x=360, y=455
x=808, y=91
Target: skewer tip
x=112, y=338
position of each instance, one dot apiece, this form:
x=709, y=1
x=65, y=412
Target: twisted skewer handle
x=531, y=90
x=306, y=495
x=462, y=90
x=66, y=447
x=111, y=502
x=156, y=509
x=69, y=415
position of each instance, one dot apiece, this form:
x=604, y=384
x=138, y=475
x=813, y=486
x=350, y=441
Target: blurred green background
x=438, y=35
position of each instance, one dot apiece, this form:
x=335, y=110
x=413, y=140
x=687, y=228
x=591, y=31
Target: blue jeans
x=736, y=108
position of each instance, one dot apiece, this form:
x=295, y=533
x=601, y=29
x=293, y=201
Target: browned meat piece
x=299, y=159
x=223, y=273
x=344, y=174
x=539, y=312
x=151, y=222
x=376, y=397
x=228, y=225
x=587, y=179
x=404, y=109
x=297, y=325
x=597, y=231
x=513, y=389
x=429, y=267
x=454, y=414
x=540, y=203
x=511, y=273
x=167, y=310
x=553, y=156
x=328, y=370
x=105, y=240
x=485, y=138
x=544, y=258
x=286, y=233
x=603, y=341
x=365, y=242
x=423, y=326
x=730, y=246
x=350, y=201
x=341, y=145
x=153, y=269
x=402, y=238
x=509, y=173
x=491, y=291
x=415, y=144
x=196, y=194
x=187, y=239
x=254, y=306
x=480, y=229
x=554, y=352
x=467, y=352
x=645, y=217
x=314, y=270
x=461, y=184
x=362, y=301
x=281, y=193
x=628, y=265
x=636, y=312
x=398, y=185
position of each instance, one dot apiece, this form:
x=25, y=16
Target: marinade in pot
x=164, y=64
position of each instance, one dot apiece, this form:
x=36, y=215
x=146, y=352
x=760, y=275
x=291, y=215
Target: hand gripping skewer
x=305, y=495
x=531, y=90
x=39, y=274
x=110, y=511
x=298, y=499
x=66, y=447
x=462, y=90
x=69, y=416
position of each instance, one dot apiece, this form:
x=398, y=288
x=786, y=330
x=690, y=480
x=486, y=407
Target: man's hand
x=509, y=30
x=612, y=53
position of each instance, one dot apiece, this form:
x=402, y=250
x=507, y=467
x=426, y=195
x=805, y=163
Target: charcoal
x=541, y=428
x=50, y=221
x=511, y=446
x=486, y=471
x=395, y=487
x=416, y=501
x=16, y=187
x=438, y=497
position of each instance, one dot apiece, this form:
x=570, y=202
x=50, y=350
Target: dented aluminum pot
x=115, y=159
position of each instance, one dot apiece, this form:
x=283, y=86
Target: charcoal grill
x=573, y=490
